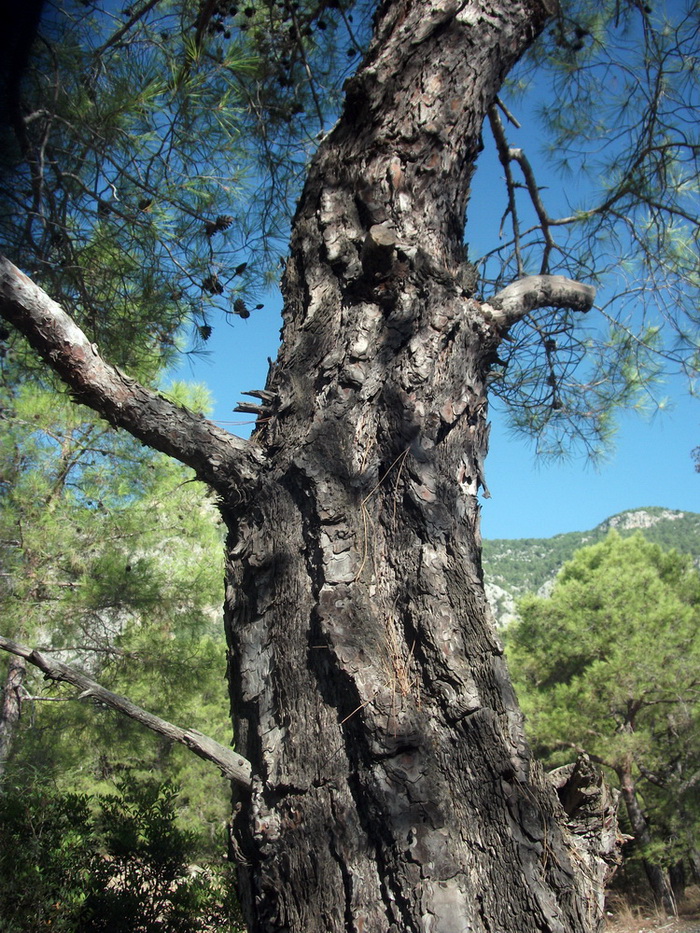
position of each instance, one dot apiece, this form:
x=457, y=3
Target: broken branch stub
x=538, y=291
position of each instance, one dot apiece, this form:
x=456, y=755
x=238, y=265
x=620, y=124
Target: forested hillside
x=515, y=566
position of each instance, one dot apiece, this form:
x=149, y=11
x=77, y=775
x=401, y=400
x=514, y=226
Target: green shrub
x=117, y=863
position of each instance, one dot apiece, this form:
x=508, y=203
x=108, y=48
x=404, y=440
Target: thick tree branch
x=116, y=36
x=232, y=765
x=220, y=459
x=538, y=291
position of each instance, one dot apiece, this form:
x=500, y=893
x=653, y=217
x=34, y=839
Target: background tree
x=111, y=556
x=391, y=785
x=608, y=665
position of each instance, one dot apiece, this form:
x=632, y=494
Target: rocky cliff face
x=513, y=567
x=641, y=518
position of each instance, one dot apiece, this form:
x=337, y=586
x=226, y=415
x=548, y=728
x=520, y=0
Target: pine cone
x=212, y=284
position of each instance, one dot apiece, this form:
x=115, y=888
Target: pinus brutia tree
x=111, y=557
x=384, y=780
x=608, y=665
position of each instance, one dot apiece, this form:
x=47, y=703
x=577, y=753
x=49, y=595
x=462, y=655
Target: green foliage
x=141, y=880
x=117, y=862
x=155, y=155
x=45, y=853
x=523, y=565
x=609, y=665
x=95, y=529
x=113, y=556
x=152, y=159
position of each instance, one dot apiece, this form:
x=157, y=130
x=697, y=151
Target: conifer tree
x=112, y=559
x=607, y=665
x=386, y=783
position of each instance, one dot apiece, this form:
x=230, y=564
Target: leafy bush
x=47, y=846
x=114, y=864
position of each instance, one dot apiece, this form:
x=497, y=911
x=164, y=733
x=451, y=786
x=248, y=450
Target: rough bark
x=393, y=788
x=231, y=765
x=590, y=805
x=11, y=708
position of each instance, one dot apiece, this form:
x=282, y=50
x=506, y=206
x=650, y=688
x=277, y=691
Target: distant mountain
x=513, y=567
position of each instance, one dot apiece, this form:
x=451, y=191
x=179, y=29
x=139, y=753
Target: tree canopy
x=608, y=664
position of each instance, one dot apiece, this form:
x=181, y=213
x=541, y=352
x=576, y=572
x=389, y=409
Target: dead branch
x=537, y=291
x=232, y=765
x=218, y=458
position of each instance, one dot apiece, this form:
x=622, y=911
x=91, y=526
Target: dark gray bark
x=392, y=788
x=11, y=708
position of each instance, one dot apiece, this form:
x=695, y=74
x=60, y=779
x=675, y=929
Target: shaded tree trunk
x=394, y=790
x=678, y=880
x=391, y=788
x=11, y=708
x=656, y=876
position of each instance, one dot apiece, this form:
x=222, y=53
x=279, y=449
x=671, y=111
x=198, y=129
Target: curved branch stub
x=537, y=291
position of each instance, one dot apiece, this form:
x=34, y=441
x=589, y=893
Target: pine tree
x=111, y=559
x=388, y=784
x=607, y=665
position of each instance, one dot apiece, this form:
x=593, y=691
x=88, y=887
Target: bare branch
x=134, y=18
x=501, y=106
x=538, y=291
x=504, y=157
x=218, y=458
x=232, y=765
x=545, y=222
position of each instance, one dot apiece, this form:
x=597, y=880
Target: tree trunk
x=656, y=876
x=11, y=708
x=678, y=880
x=394, y=790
